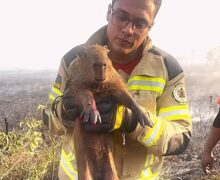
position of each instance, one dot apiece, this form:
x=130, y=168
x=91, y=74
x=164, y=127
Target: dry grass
x=29, y=153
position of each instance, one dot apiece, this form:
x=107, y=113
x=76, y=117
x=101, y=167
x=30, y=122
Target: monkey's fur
x=92, y=75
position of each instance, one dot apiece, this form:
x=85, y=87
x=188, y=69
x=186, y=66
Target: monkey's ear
x=106, y=47
x=82, y=54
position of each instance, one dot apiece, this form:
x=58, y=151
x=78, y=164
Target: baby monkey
x=92, y=75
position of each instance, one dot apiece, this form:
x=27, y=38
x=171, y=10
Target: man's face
x=128, y=24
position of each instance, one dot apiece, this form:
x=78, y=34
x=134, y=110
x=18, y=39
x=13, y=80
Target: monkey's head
x=96, y=63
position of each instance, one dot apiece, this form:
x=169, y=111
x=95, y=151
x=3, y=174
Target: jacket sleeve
x=55, y=119
x=56, y=124
x=171, y=132
x=172, y=128
x=216, y=122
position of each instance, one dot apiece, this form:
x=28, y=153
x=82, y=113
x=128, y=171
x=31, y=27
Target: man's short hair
x=156, y=2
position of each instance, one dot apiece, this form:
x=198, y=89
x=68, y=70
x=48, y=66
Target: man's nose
x=129, y=27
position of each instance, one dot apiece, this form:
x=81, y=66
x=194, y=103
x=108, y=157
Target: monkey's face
x=96, y=63
x=99, y=70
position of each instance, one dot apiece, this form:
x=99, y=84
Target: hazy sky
x=35, y=34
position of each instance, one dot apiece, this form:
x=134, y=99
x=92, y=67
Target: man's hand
x=70, y=110
x=113, y=117
x=207, y=162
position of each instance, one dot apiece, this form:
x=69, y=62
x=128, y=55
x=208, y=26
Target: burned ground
x=22, y=91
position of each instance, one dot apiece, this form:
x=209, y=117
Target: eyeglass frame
x=128, y=20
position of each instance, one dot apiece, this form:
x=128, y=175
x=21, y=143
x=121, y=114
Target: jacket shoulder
x=172, y=65
x=71, y=55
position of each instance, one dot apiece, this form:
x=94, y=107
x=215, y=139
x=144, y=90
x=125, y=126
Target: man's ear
x=109, y=12
x=151, y=26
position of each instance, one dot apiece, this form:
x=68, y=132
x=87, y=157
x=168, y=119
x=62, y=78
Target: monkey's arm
x=90, y=112
x=124, y=97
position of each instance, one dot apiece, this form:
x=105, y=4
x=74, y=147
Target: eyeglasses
x=121, y=20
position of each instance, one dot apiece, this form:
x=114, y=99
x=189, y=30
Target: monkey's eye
x=99, y=65
x=104, y=66
x=96, y=65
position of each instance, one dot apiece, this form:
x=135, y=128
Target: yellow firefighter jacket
x=157, y=84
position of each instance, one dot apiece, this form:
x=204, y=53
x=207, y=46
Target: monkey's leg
x=95, y=155
x=127, y=100
x=80, y=146
x=100, y=159
x=110, y=172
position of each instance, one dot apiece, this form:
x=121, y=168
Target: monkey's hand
x=90, y=113
x=142, y=117
x=107, y=107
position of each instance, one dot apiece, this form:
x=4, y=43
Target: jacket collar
x=149, y=65
x=99, y=37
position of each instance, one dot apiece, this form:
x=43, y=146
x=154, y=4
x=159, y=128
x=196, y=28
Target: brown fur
x=93, y=150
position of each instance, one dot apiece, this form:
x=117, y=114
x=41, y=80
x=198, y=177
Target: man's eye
x=122, y=18
x=141, y=24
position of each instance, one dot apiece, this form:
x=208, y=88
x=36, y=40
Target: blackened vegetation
x=20, y=94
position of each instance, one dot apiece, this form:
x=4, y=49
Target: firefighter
x=154, y=78
x=210, y=143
